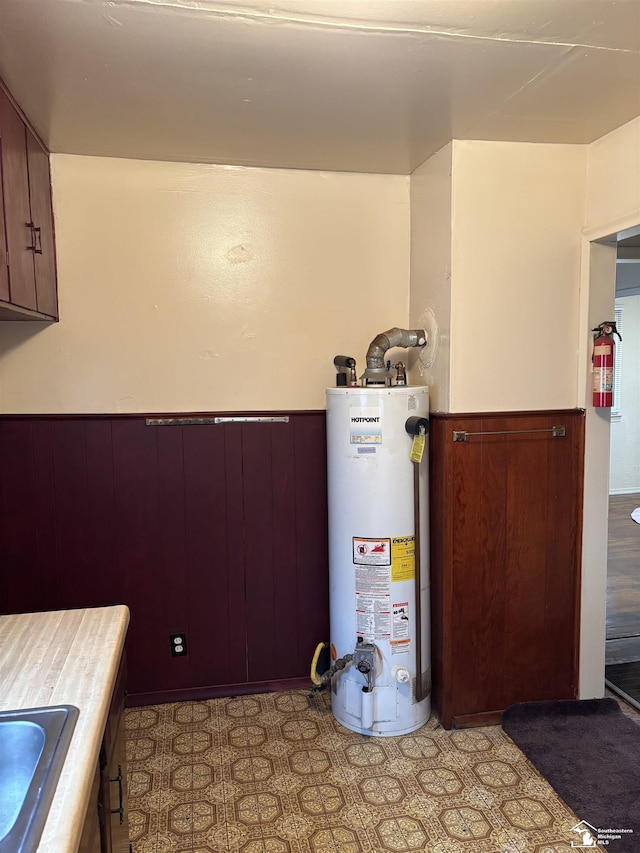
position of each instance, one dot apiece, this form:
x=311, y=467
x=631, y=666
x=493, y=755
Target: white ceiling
x=350, y=85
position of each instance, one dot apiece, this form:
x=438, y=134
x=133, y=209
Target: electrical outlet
x=178, y=644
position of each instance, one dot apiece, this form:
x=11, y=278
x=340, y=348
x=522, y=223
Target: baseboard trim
x=217, y=691
x=470, y=721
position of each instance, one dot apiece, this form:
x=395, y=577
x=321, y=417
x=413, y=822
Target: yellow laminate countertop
x=65, y=657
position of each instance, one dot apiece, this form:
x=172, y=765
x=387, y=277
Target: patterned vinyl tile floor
x=275, y=773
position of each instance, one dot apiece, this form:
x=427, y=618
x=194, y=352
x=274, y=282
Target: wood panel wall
x=218, y=531
x=506, y=510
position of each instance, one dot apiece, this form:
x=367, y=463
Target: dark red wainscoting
x=215, y=530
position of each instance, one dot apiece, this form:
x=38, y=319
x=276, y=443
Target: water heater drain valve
x=401, y=674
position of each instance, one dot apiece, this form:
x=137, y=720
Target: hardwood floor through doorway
x=623, y=581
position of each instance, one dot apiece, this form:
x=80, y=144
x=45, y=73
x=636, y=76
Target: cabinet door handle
x=32, y=230
x=36, y=238
x=120, y=809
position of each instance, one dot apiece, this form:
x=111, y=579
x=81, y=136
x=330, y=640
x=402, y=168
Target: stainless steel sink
x=33, y=746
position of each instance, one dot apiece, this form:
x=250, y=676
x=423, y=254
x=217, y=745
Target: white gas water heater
x=377, y=425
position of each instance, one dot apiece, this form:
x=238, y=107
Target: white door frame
x=597, y=296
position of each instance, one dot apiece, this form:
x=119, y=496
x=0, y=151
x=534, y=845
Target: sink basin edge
x=57, y=723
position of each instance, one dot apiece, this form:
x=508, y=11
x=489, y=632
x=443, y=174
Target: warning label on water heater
x=365, y=425
x=373, y=616
x=372, y=558
x=400, y=636
x=401, y=620
x=371, y=552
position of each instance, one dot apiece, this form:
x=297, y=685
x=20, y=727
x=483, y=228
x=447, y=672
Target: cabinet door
x=119, y=829
x=42, y=217
x=17, y=210
x=505, y=561
x=90, y=841
x=113, y=764
x=4, y=261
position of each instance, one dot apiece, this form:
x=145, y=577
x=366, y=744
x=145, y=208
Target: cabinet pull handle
x=199, y=421
x=32, y=229
x=556, y=432
x=36, y=238
x=120, y=809
x=258, y=420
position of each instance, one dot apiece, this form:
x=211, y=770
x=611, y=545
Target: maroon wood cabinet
x=44, y=256
x=112, y=807
x=505, y=518
x=4, y=258
x=215, y=530
x=28, y=287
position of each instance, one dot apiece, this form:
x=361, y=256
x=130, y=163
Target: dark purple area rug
x=589, y=752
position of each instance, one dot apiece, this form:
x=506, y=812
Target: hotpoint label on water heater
x=403, y=560
x=371, y=552
x=365, y=425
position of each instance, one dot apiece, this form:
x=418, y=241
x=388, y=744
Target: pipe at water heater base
x=366, y=719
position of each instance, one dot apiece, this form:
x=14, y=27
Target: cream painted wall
x=430, y=303
x=614, y=177
x=495, y=252
x=197, y=288
x=517, y=213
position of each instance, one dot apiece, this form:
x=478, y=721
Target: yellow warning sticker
x=403, y=561
x=417, y=448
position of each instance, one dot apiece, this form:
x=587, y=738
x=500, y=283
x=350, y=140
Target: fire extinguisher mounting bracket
x=607, y=328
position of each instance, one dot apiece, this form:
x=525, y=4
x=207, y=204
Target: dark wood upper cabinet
x=28, y=288
x=506, y=507
x=4, y=263
x=44, y=257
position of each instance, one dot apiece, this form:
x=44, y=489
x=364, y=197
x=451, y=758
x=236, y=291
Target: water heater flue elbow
x=376, y=372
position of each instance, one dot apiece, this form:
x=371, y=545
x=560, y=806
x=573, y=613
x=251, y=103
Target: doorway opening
x=622, y=645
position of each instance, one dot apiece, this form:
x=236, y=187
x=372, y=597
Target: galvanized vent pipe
x=376, y=372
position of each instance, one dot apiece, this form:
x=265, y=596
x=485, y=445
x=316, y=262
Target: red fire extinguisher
x=604, y=347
